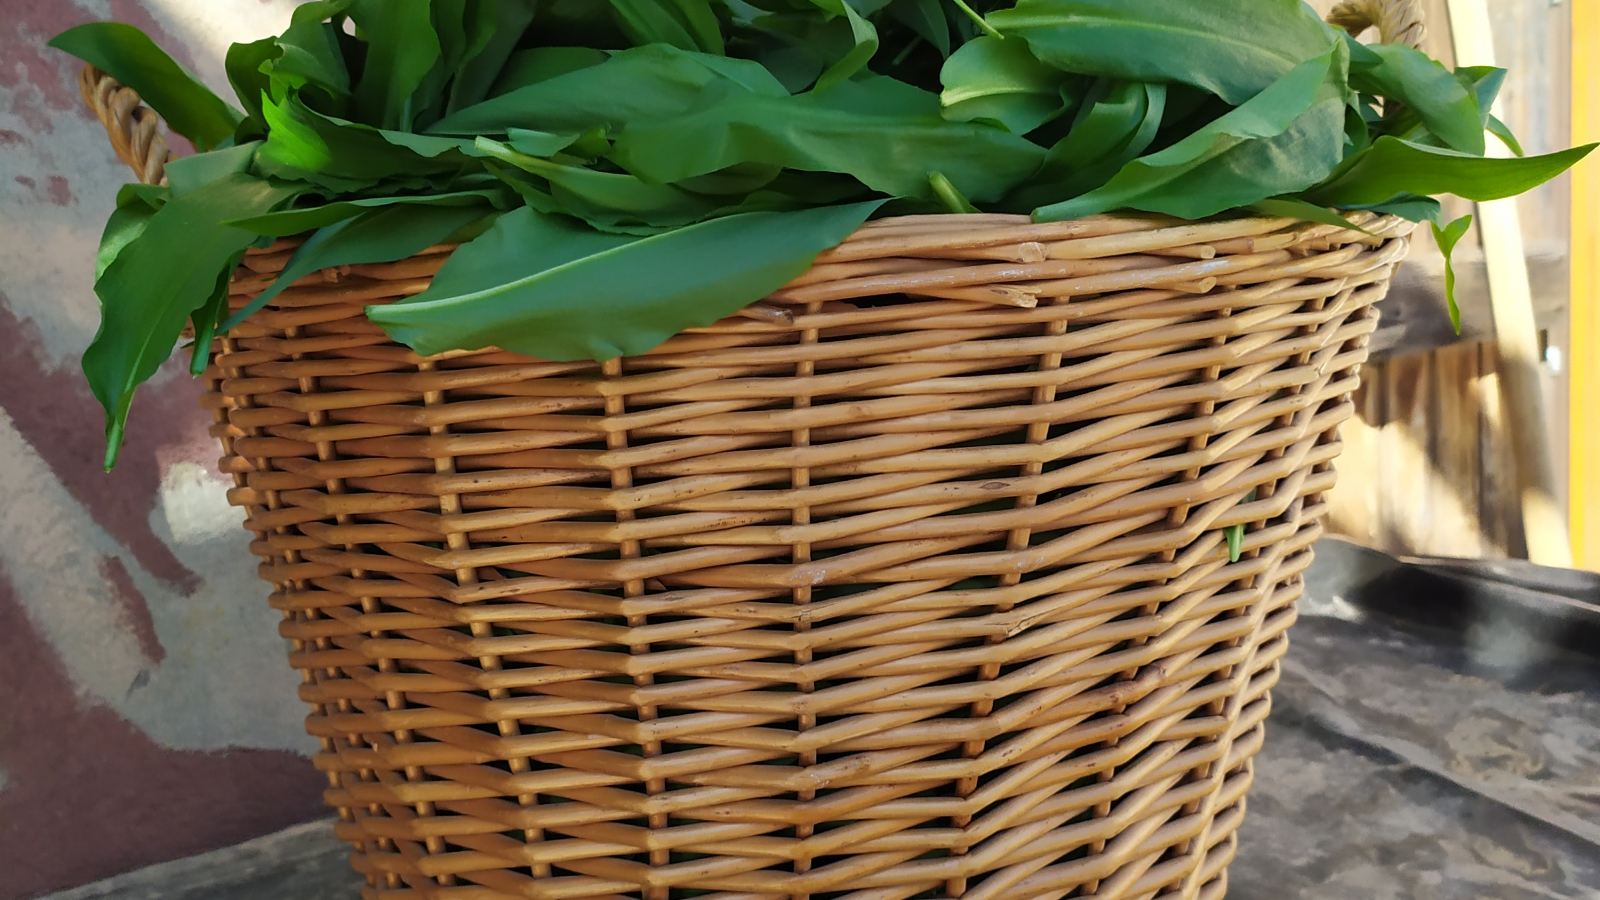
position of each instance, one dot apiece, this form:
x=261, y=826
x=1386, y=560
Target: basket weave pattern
x=910, y=582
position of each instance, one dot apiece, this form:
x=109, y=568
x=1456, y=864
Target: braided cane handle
x=1397, y=21
x=134, y=129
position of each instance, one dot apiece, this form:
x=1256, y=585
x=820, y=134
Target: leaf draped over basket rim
x=616, y=172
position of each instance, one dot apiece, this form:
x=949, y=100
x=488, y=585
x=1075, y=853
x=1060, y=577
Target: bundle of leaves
x=618, y=170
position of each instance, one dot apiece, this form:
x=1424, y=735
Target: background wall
x=146, y=710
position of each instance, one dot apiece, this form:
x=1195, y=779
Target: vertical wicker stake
x=909, y=581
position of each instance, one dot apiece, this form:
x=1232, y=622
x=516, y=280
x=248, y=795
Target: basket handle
x=135, y=130
x=1397, y=21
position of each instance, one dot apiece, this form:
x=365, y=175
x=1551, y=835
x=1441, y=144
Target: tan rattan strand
x=909, y=582
x=879, y=597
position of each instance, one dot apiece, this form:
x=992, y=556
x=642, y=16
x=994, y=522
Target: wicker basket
x=911, y=582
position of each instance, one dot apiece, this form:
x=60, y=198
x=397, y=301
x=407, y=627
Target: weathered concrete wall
x=146, y=711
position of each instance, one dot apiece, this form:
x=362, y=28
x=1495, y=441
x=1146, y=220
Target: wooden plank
x=1457, y=461
x=1583, y=360
x=1499, y=522
x=1499, y=225
x=1405, y=504
x=1353, y=502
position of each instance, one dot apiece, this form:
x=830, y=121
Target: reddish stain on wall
x=60, y=191
x=91, y=796
x=135, y=609
x=56, y=414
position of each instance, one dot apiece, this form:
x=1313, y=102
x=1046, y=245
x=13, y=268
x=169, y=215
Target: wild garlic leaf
x=159, y=278
x=1232, y=48
x=1447, y=238
x=998, y=79
x=1392, y=167
x=177, y=95
x=1282, y=141
x=553, y=289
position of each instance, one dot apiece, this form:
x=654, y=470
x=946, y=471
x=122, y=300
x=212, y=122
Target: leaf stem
x=988, y=29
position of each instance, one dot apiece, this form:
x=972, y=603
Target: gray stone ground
x=1397, y=767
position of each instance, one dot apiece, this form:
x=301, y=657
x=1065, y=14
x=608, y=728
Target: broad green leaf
x=159, y=278
x=1411, y=207
x=190, y=172
x=642, y=83
x=948, y=196
x=1392, y=167
x=1282, y=141
x=305, y=140
x=927, y=19
x=177, y=95
x=553, y=289
x=885, y=133
x=538, y=64
x=1447, y=238
x=135, y=209
x=377, y=235
x=402, y=47
x=998, y=79
x=685, y=24
x=484, y=64
x=311, y=57
x=1232, y=48
x=862, y=34
x=286, y=222
x=608, y=198
x=207, y=317
x=1295, y=208
x=1502, y=131
x=1116, y=124
x=1425, y=86
x=243, y=64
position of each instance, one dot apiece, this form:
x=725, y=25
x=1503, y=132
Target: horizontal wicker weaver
x=911, y=581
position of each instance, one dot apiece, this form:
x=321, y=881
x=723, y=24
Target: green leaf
x=190, y=172
x=1447, y=238
x=536, y=64
x=999, y=80
x=926, y=18
x=1412, y=207
x=608, y=198
x=885, y=133
x=177, y=95
x=553, y=289
x=307, y=141
x=243, y=64
x=310, y=56
x=1232, y=48
x=208, y=315
x=1295, y=208
x=948, y=196
x=1282, y=141
x=1392, y=166
x=159, y=278
x=479, y=70
x=646, y=82
x=135, y=209
x=685, y=24
x=377, y=235
x=1502, y=131
x=1425, y=86
x=1235, y=533
x=863, y=35
x=402, y=47
x=286, y=222
x=1117, y=122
